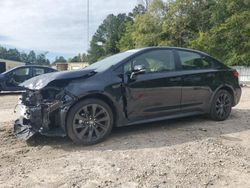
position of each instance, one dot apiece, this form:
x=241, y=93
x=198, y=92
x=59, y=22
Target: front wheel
x=221, y=105
x=89, y=122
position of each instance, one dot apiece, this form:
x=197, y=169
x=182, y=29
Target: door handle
x=175, y=79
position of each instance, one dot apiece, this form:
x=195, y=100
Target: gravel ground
x=189, y=152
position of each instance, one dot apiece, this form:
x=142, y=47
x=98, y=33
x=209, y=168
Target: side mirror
x=137, y=69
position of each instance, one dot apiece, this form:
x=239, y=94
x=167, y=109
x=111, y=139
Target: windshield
x=111, y=60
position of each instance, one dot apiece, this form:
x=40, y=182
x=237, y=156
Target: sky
x=56, y=26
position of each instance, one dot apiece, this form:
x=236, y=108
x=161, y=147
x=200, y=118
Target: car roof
x=28, y=66
x=41, y=66
x=173, y=48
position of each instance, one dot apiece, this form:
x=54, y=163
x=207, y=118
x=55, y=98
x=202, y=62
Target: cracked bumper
x=22, y=131
x=26, y=125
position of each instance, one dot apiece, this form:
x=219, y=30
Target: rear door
x=198, y=76
x=156, y=93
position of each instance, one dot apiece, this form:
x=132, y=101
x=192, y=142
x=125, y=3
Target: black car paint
x=149, y=97
x=4, y=77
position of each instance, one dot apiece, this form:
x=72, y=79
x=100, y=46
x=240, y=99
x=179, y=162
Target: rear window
x=194, y=61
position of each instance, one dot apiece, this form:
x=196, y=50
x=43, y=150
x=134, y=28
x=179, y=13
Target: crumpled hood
x=43, y=80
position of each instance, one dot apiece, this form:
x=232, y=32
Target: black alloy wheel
x=89, y=122
x=221, y=105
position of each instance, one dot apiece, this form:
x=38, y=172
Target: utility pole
x=88, y=24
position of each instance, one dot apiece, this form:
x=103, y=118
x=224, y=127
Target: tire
x=89, y=122
x=221, y=106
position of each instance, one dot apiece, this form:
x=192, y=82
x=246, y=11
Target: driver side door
x=156, y=92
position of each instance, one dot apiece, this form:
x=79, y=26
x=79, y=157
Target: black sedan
x=10, y=80
x=136, y=86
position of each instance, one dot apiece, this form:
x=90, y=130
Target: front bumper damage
x=42, y=111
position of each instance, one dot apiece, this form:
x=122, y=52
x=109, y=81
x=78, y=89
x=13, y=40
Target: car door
x=16, y=77
x=155, y=93
x=197, y=78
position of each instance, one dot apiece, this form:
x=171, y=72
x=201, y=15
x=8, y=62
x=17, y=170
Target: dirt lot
x=191, y=152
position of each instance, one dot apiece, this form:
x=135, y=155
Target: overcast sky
x=57, y=26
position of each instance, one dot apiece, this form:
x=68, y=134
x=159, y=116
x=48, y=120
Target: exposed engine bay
x=42, y=111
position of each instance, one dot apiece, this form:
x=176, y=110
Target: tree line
x=220, y=28
x=37, y=59
x=28, y=58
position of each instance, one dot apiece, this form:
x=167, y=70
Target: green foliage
x=219, y=27
x=106, y=39
x=30, y=58
x=147, y=31
x=59, y=59
x=229, y=39
x=79, y=58
x=126, y=42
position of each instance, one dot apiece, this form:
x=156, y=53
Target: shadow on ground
x=158, y=134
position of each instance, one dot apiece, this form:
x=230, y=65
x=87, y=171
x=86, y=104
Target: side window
x=38, y=71
x=153, y=61
x=18, y=76
x=21, y=72
x=194, y=61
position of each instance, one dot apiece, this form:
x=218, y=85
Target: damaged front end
x=42, y=111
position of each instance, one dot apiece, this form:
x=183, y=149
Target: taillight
x=236, y=74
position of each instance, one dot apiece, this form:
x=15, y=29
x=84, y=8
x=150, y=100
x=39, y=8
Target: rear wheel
x=221, y=106
x=89, y=122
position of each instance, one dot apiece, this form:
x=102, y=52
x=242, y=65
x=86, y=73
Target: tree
x=185, y=19
x=145, y=3
x=41, y=59
x=60, y=59
x=31, y=57
x=232, y=38
x=24, y=57
x=3, y=52
x=146, y=29
x=209, y=25
x=13, y=54
x=127, y=42
x=106, y=39
x=138, y=10
x=79, y=58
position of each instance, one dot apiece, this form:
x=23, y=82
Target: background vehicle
x=133, y=87
x=10, y=80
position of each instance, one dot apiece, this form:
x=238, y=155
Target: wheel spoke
x=90, y=134
x=79, y=117
x=99, y=113
x=103, y=127
x=105, y=118
x=78, y=126
x=93, y=106
x=83, y=132
x=98, y=134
